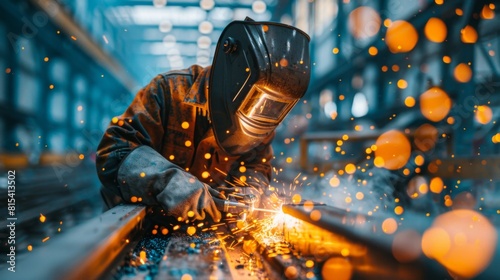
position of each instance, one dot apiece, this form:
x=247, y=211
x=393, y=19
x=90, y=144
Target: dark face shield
x=260, y=71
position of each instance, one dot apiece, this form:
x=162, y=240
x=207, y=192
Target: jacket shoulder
x=188, y=73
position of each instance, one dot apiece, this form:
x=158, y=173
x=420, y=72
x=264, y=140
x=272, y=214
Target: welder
x=192, y=137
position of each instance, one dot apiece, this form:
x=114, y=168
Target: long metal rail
x=85, y=251
x=378, y=261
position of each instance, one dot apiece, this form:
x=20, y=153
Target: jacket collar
x=198, y=93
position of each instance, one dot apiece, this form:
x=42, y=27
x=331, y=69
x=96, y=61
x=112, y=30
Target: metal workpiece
x=85, y=251
x=369, y=249
x=200, y=256
x=194, y=252
x=354, y=240
x=339, y=221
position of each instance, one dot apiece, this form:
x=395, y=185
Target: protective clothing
x=167, y=184
x=260, y=71
x=165, y=133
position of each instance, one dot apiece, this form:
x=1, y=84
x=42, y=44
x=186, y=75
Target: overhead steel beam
x=170, y=3
x=478, y=168
x=152, y=33
x=58, y=15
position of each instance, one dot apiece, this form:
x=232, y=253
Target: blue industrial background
x=68, y=67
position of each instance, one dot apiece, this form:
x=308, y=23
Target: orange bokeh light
x=364, y=22
x=436, y=185
x=464, y=200
x=296, y=198
x=468, y=35
x=387, y=22
x=419, y=160
x=393, y=150
x=435, y=242
x=389, y=226
x=435, y=104
x=487, y=12
x=337, y=268
x=464, y=241
x=406, y=246
x=401, y=36
x=399, y=210
x=462, y=73
x=425, y=137
x=315, y=215
x=350, y=168
x=191, y=230
x=409, y=101
x=484, y=114
x=435, y=30
x=373, y=51
x=495, y=138
x=402, y=84
x=334, y=182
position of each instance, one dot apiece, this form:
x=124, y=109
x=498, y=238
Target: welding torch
x=238, y=204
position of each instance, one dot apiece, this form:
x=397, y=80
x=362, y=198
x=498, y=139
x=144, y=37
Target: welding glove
x=146, y=174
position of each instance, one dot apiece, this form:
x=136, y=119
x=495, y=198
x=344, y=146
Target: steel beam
x=479, y=168
x=85, y=251
x=84, y=41
x=369, y=247
x=367, y=230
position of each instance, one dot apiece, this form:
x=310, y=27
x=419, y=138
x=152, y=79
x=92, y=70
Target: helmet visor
x=265, y=105
x=263, y=109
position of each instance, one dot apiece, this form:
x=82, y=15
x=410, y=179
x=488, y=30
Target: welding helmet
x=259, y=72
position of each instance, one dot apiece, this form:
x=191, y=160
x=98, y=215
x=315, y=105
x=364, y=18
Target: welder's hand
x=146, y=174
x=186, y=197
x=226, y=191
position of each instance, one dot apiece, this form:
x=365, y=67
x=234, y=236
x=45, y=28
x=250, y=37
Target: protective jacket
x=165, y=138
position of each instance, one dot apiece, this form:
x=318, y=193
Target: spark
x=266, y=210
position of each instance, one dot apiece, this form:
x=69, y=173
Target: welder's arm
x=141, y=124
x=147, y=174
